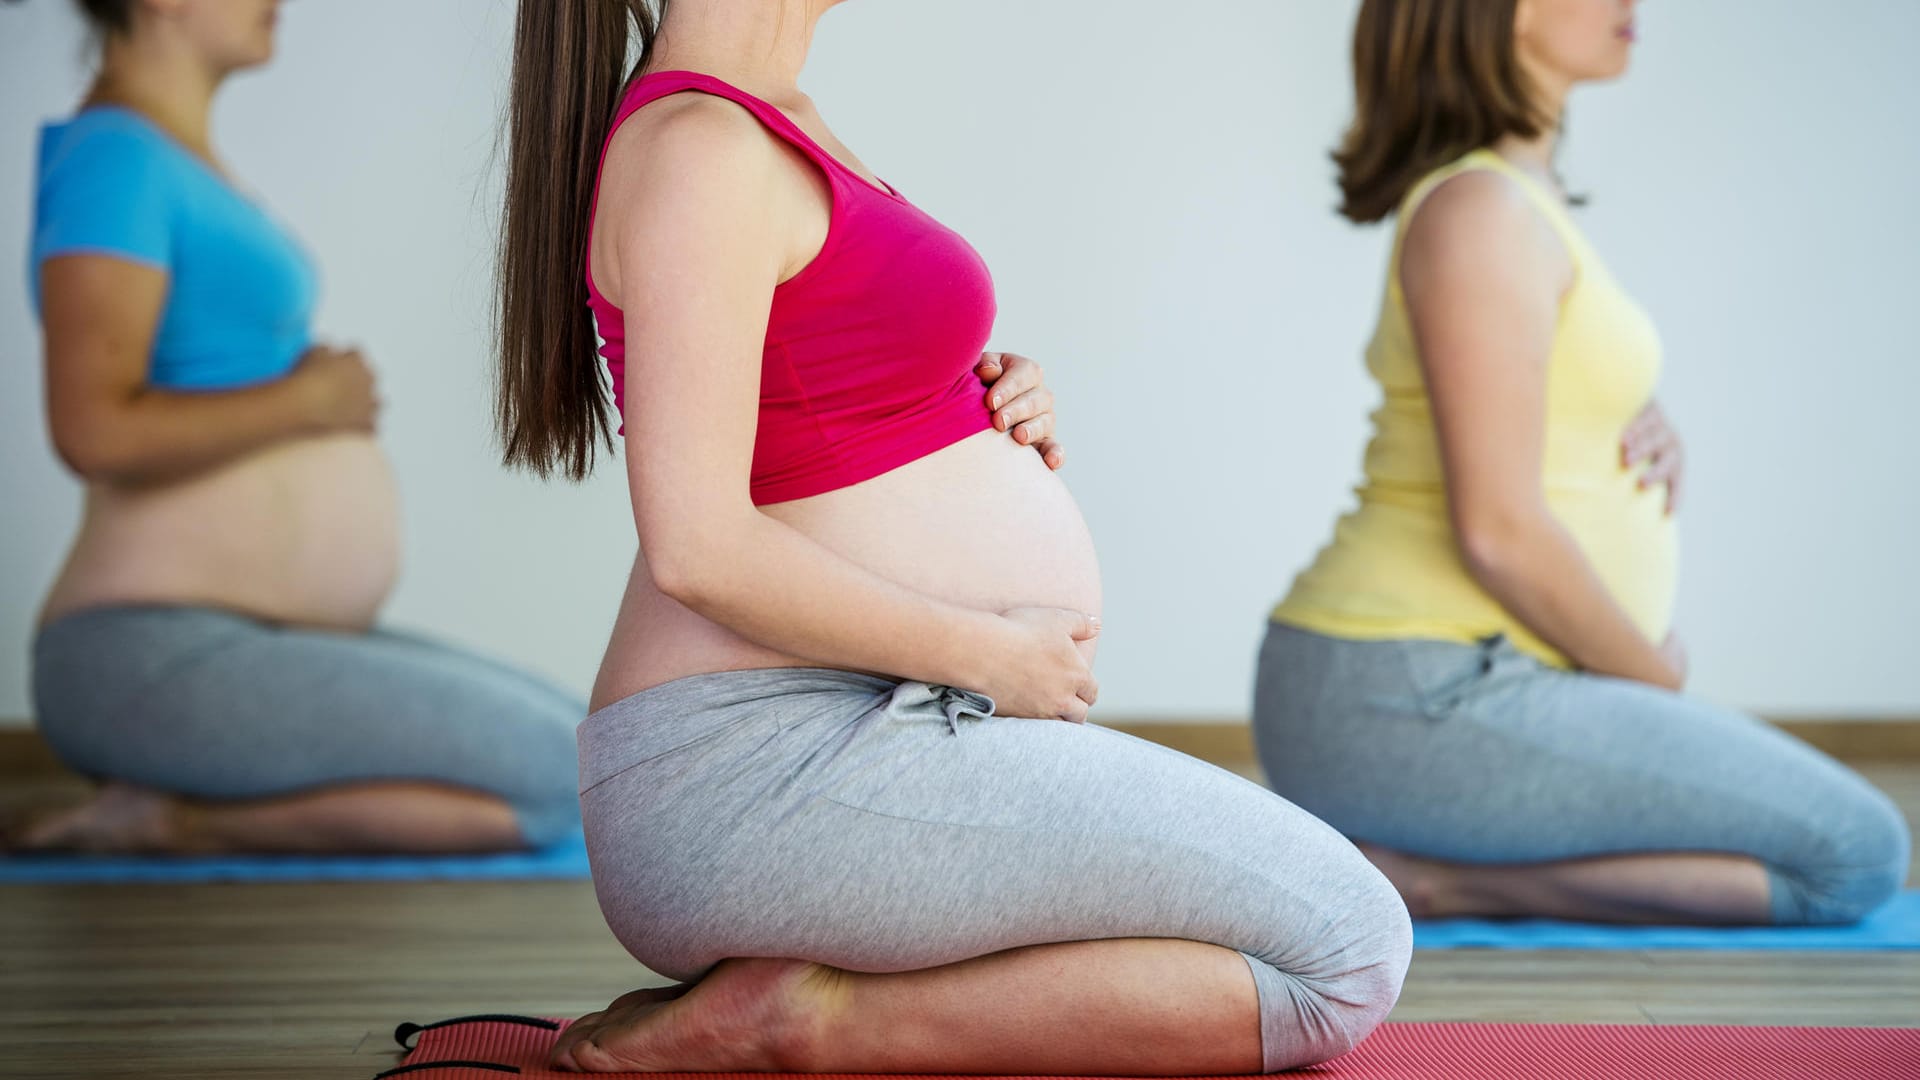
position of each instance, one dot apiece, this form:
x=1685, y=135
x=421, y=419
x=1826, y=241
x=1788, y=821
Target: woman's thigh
x=1482, y=754
x=214, y=705
x=911, y=837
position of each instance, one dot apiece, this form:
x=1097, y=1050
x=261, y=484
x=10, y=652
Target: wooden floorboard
x=245, y=982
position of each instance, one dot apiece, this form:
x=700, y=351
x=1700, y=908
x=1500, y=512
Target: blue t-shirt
x=240, y=291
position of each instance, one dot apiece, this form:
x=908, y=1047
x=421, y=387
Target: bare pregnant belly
x=305, y=533
x=982, y=523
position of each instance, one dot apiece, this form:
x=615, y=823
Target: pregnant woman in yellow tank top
x=1478, y=678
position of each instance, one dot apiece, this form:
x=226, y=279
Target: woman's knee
x=72, y=743
x=96, y=740
x=1858, y=863
x=1320, y=998
x=1375, y=961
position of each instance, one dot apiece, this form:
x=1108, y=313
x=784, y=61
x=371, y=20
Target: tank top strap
x=1485, y=160
x=655, y=85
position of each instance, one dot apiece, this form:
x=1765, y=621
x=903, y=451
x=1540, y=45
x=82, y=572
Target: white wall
x=1150, y=183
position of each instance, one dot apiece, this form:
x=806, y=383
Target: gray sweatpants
x=214, y=705
x=1482, y=754
x=881, y=826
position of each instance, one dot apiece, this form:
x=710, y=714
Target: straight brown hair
x=570, y=66
x=1432, y=80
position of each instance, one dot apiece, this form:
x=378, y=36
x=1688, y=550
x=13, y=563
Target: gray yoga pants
x=1482, y=754
x=879, y=826
x=213, y=705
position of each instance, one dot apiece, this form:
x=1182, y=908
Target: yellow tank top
x=1393, y=569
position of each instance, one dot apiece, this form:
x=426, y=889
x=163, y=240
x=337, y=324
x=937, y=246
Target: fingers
x=1032, y=431
x=1028, y=405
x=1083, y=627
x=1664, y=467
x=1075, y=709
x=1660, y=468
x=1018, y=375
x=1647, y=418
x=1642, y=434
x=1639, y=444
x=1021, y=403
x=1052, y=453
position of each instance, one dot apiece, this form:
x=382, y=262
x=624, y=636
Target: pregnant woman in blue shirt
x=209, y=650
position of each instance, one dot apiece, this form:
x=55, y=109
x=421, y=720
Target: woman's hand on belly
x=111, y=426
x=1046, y=674
x=1021, y=404
x=1651, y=439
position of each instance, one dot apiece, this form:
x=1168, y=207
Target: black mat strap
x=405, y=1032
x=425, y=1065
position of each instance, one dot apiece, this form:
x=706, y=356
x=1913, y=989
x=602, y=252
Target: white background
x=1149, y=181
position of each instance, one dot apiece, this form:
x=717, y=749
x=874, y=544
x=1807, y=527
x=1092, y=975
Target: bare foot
x=748, y=1015
x=625, y=1004
x=118, y=818
x=1420, y=882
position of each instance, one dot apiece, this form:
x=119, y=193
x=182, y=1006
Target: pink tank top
x=870, y=348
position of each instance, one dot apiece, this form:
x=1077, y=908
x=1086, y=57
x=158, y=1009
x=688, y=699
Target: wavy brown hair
x=106, y=18
x=1432, y=80
x=572, y=59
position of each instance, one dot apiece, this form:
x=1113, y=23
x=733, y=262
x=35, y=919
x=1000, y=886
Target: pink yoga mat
x=490, y=1048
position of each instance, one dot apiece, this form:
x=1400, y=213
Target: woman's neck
x=164, y=82
x=759, y=45
x=1535, y=153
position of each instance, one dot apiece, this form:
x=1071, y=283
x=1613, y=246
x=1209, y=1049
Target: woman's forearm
x=1540, y=575
x=778, y=588
x=160, y=436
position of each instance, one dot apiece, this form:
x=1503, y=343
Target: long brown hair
x=1432, y=80
x=107, y=17
x=571, y=62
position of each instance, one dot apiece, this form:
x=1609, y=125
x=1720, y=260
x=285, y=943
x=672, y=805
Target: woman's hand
x=1045, y=675
x=1021, y=403
x=339, y=388
x=1650, y=438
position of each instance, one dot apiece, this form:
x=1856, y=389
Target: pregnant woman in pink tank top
x=836, y=781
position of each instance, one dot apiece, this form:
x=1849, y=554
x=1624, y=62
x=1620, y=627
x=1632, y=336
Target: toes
x=45, y=831
x=561, y=1056
x=587, y=1056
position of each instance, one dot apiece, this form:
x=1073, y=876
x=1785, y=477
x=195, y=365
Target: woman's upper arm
x=100, y=314
x=102, y=242
x=691, y=203
x=1482, y=273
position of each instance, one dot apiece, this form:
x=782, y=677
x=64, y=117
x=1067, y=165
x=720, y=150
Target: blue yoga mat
x=566, y=859
x=1895, y=926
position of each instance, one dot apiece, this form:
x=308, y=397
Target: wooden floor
x=173, y=982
